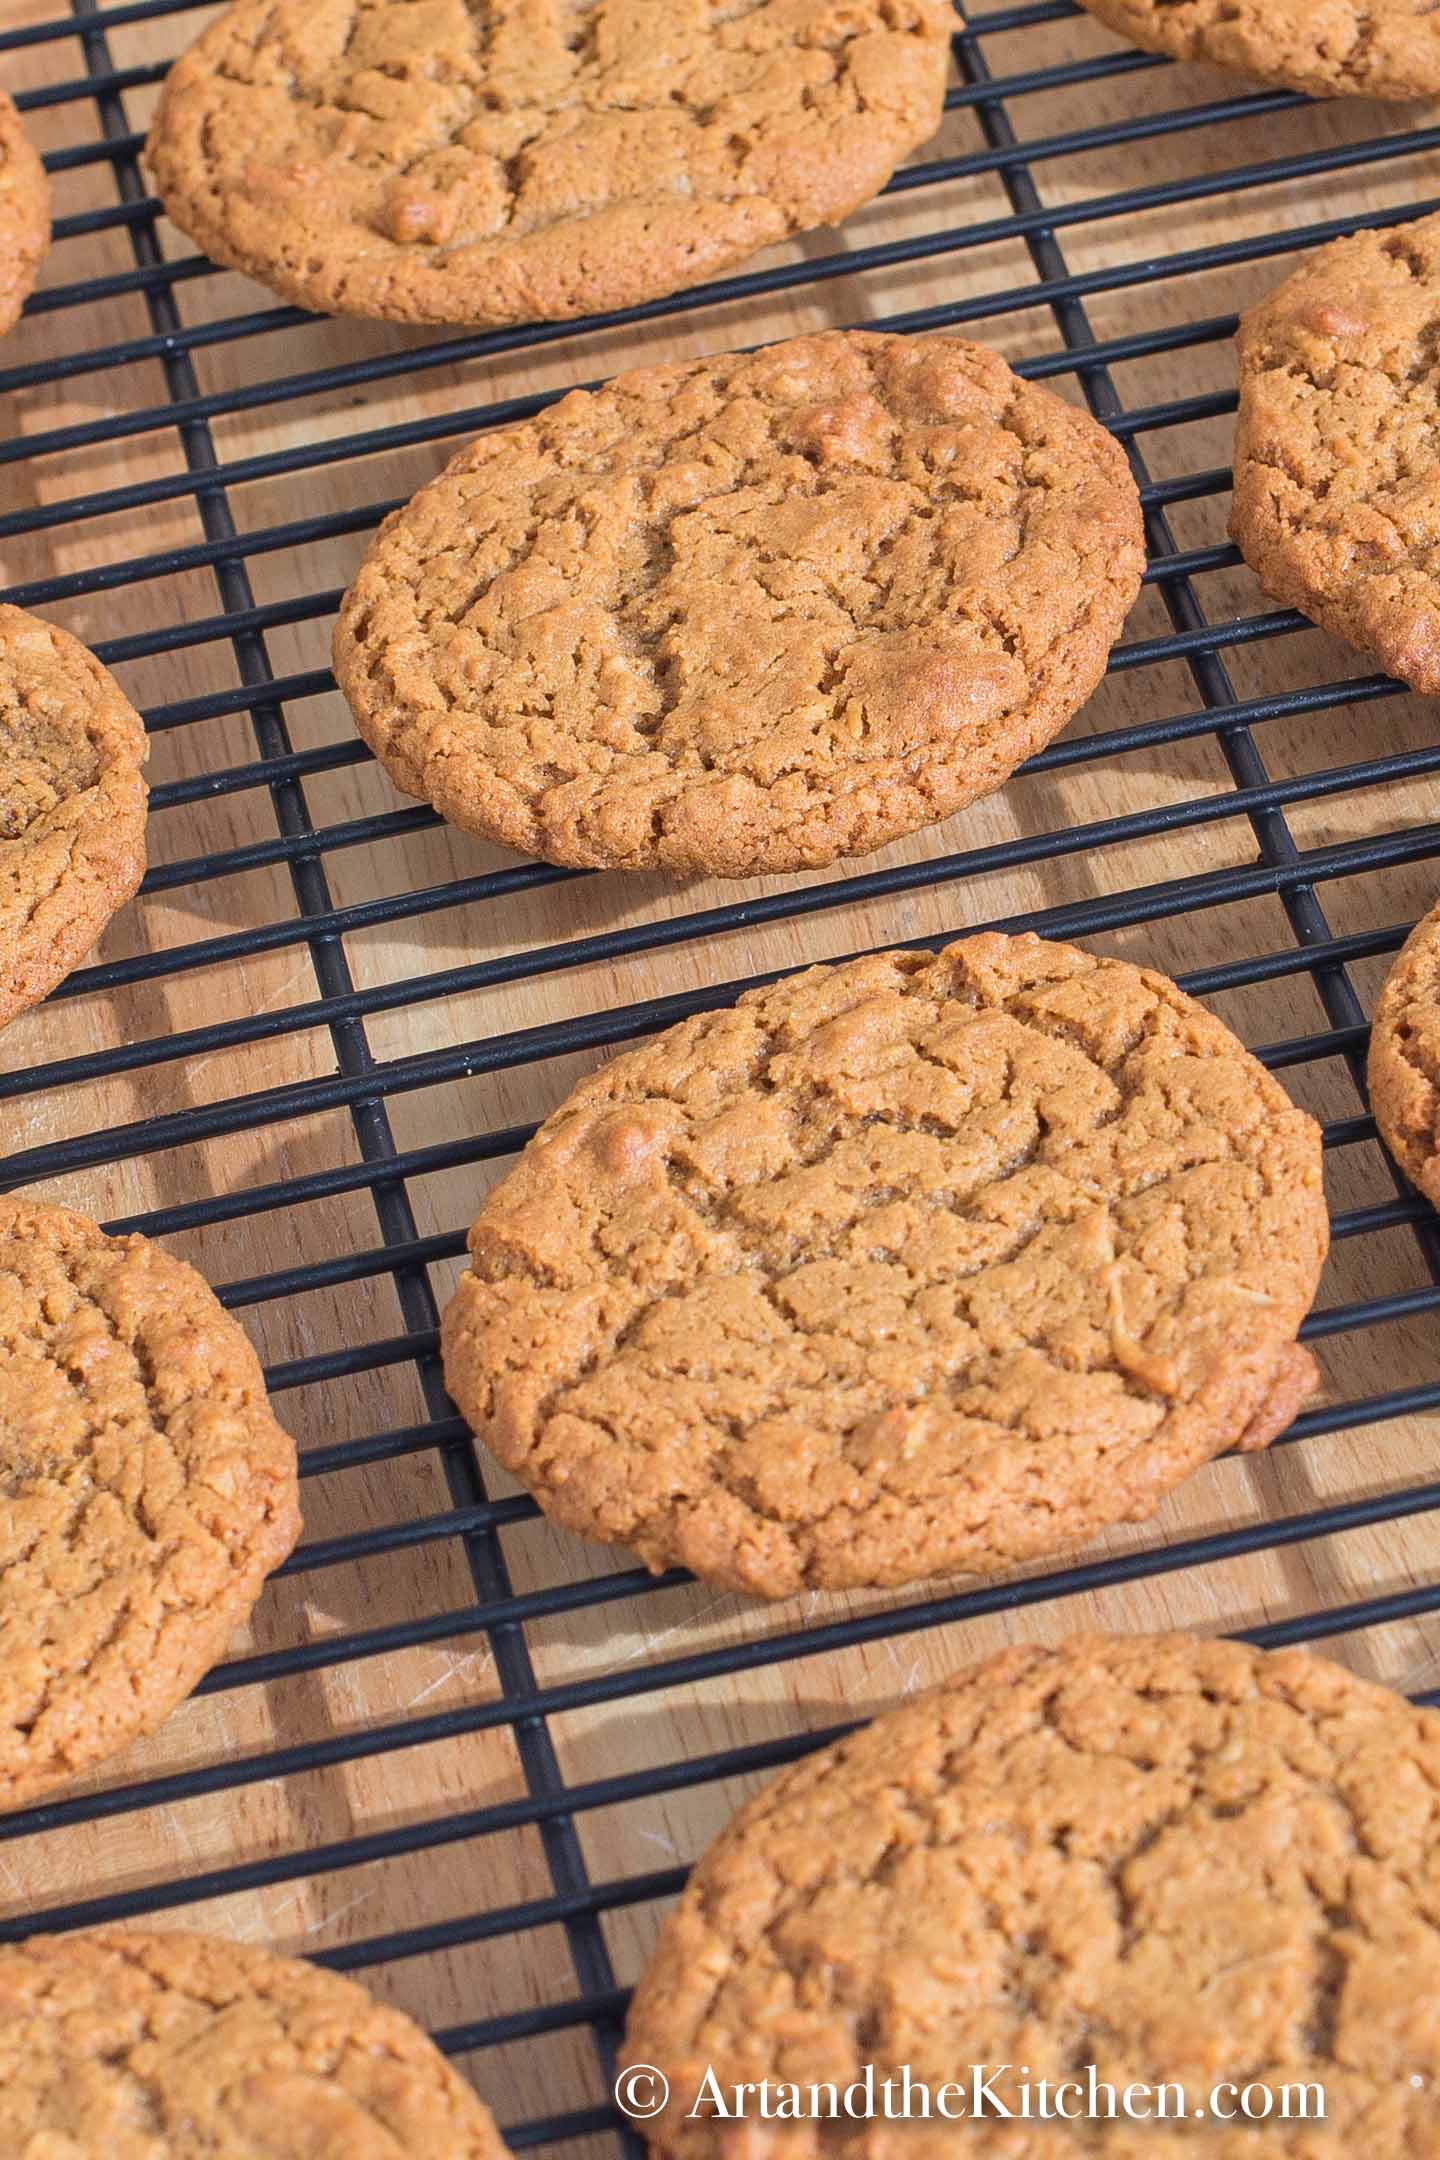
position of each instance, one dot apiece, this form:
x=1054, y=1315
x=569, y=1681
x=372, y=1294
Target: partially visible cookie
x=24, y=214
x=1330, y=48
x=1157, y=1860
x=913, y=1265
x=147, y=1490
x=1404, y=1070
x=448, y=163
x=124, y=2045
x=748, y=613
x=72, y=805
x=1337, y=451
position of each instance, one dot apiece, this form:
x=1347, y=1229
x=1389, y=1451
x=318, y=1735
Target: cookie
x=1164, y=1860
x=1330, y=48
x=72, y=805
x=24, y=214
x=136, y=2046
x=1404, y=1068
x=912, y=1265
x=147, y=1490
x=442, y=163
x=1337, y=450
x=748, y=613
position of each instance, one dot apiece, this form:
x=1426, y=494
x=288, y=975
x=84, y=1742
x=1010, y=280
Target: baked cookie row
x=1125, y=1897
x=916, y=1266
x=430, y=164
x=438, y=164
x=754, y=613
x=751, y=612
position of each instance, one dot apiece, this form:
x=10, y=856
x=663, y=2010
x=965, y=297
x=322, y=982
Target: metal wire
x=364, y=1085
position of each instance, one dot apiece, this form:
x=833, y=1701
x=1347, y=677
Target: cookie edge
x=1151, y=30
x=29, y=225
x=1401, y=647
x=274, y=1459
x=114, y=859
x=409, y=2047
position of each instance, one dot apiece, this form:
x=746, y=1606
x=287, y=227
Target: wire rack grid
x=462, y=1755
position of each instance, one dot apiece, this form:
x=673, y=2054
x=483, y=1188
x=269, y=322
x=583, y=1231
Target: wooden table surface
x=310, y=1901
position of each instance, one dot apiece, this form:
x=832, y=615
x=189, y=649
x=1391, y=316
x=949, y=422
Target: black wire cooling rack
x=203, y=596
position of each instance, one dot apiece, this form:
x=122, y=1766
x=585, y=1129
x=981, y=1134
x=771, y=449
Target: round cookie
x=72, y=805
x=448, y=164
x=148, y=1491
x=748, y=613
x=1330, y=48
x=1337, y=450
x=24, y=214
x=131, y=2046
x=1404, y=1066
x=913, y=1265
x=1179, y=1862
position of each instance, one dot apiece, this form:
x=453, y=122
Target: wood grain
x=311, y=1906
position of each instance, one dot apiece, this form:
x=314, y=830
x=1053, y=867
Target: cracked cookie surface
x=24, y=214
x=1329, y=48
x=72, y=805
x=748, y=613
x=1179, y=1861
x=1404, y=1066
x=139, y=2046
x=147, y=1490
x=498, y=161
x=911, y=1265
x=1337, y=449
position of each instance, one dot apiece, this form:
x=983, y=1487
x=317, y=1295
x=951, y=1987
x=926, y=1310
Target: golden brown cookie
x=912, y=1265
x=1337, y=451
x=1179, y=1862
x=1330, y=48
x=120, y=2045
x=1404, y=1074
x=749, y=613
x=147, y=1490
x=24, y=214
x=438, y=162
x=72, y=805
